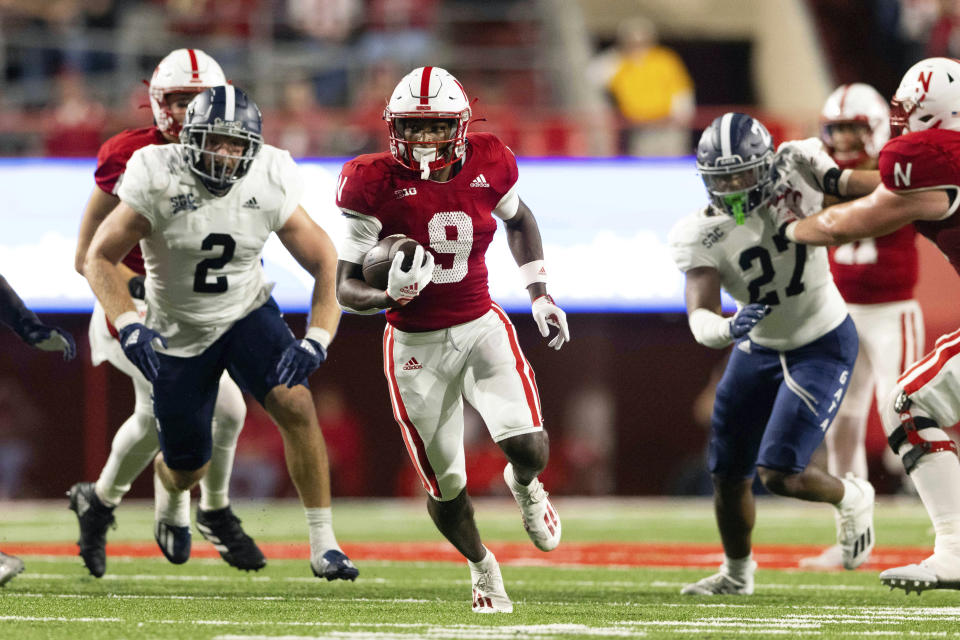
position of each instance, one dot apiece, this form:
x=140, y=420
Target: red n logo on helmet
x=925, y=80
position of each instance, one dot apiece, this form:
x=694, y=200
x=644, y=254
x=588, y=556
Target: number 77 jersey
x=455, y=220
x=757, y=264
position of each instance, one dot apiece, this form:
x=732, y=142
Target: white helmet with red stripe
x=428, y=92
x=182, y=71
x=928, y=97
x=856, y=104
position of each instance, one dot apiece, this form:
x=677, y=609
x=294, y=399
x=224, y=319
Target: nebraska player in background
x=177, y=79
x=876, y=277
x=449, y=341
x=918, y=183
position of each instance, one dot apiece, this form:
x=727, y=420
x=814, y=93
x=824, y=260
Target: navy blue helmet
x=222, y=136
x=735, y=160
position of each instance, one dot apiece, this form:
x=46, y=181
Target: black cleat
x=335, y=565
x=94, y=518
x=222, y=528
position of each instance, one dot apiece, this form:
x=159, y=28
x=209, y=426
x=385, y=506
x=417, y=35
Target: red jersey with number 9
x=112, y=162
x=927, y=160
x=453, y=219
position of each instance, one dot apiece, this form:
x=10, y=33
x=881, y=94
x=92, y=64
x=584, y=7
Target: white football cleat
x=722, y=584
x=540, y=519
x=489, y=596
x=829, y=558
x=917, y=577
x=855, y=526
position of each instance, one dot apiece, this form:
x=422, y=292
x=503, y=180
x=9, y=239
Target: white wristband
x=126, y=318
x=789, y=232
x=319, y=335
x=532, y=272
x=843, y=180
x=710, y=329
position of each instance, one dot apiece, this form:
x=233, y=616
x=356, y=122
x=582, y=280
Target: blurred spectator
x=341, y=430
x=300, y=125
x=587, y=443
x=944, y=38
x=76, y=128
x=259, y=468
x=19, y=423
x=651, y=89
x=399, y=30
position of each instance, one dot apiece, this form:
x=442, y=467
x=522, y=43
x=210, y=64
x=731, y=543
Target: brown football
x=376, y=264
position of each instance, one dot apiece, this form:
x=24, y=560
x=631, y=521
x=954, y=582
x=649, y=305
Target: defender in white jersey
x=202, y=211
x=795, y=348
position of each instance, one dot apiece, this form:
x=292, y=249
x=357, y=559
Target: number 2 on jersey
x=758, y=253
x=219, y=284
x=460, y=246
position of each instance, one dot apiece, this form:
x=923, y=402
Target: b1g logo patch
x=183, y=202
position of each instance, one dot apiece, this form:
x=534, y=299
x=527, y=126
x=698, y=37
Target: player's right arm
x=112, y=240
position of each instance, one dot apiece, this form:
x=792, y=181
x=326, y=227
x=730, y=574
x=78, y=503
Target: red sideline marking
x=636, y=554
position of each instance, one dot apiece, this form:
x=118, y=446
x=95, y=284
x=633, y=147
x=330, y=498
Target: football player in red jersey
x=445, y=339
x=876, y=277
x=918, y=183
x=25, y=323
x=180, y=76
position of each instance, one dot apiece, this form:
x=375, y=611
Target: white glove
x=404, y=286
x=546, y=313
x=811, y=161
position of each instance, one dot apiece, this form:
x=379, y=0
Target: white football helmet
x=428, y=92
x=928, y=97
x=183, y=70
x=856, y=104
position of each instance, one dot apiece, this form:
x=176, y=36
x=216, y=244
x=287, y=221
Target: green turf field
x=146, y=597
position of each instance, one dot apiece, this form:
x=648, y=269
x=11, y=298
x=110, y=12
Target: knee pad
x=910, y=421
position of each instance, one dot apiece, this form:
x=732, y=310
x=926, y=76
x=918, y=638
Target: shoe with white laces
x=489, y=596
x=174, y=541
x=829, y=558
x=9, y=567
x=917, y=577
x=855, y=526
x=540, y=519
x=722, y=583
x=334, y=565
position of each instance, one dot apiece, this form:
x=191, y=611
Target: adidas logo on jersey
x=479, y=181
x=251, y=204
x=412, y=364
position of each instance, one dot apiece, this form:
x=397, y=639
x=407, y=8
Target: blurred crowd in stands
x=321, y=69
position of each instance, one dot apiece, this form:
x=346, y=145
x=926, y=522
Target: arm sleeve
x=136, y=184
x=13, y=312
x=361, y=235
x=287, y=175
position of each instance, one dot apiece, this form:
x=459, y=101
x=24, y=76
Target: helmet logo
x=925, y=80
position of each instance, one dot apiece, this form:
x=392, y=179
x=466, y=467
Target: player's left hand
x=47, y=338
x=747, y=318
x=546, y=314
x=299, y=360
x=808, y=158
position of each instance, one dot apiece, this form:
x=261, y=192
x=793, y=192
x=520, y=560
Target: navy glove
x=137, y=342
x=299, y=360
x=747, y=318
x=47, y=338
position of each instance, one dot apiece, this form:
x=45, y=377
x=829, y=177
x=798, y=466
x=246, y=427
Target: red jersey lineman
x=919, y=183
x=445, y=339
